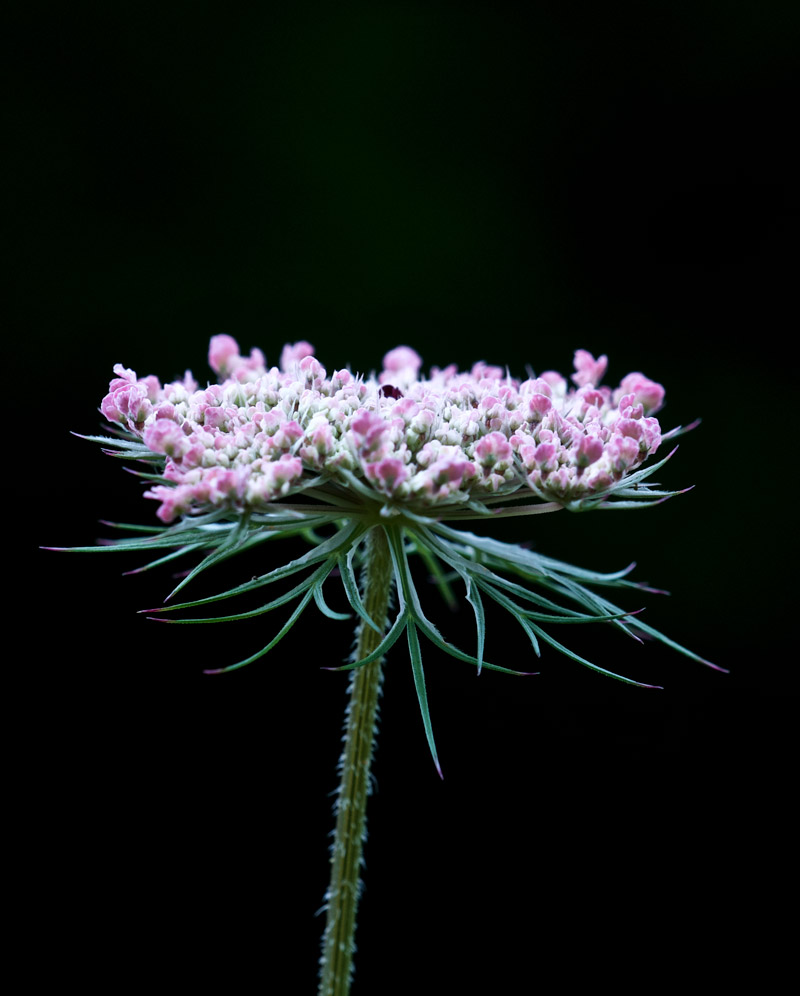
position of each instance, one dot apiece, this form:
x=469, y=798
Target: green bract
x=539, y=593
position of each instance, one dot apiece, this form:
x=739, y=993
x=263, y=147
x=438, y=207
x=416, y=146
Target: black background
x=478, y=183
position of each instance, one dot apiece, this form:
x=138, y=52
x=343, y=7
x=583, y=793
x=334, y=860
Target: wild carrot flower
x=398, y=443
x=373, y=471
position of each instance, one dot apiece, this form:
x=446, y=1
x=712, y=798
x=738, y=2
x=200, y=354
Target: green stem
x=351, y=805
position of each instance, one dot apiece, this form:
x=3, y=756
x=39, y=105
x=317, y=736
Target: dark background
x=478, y=183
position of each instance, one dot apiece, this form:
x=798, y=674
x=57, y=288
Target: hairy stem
x=351, y=804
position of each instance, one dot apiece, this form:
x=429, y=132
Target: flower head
x=434, y=445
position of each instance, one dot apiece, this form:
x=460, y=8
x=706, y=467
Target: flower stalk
x=354, y=786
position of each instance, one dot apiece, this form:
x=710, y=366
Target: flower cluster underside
x=537, y=592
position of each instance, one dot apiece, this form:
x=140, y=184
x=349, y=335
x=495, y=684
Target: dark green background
x=478, y=181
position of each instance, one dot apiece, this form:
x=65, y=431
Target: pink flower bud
x=285, y=472
x=590, y=450
x=401, y=359
x=387, y=475
x=291, y=354
x=164, y=436
x=288, y=434
x=545, y=456
x=131, y=401
x=216, y=418
x=647, y=392
x=313, y=372
x=630, y=427
x=369, y=431
x=223, y=350
x=108, y=407
x=124, y=377
x=623, y=453
x=493, y=448
x=538, y=406
x=588, y=369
